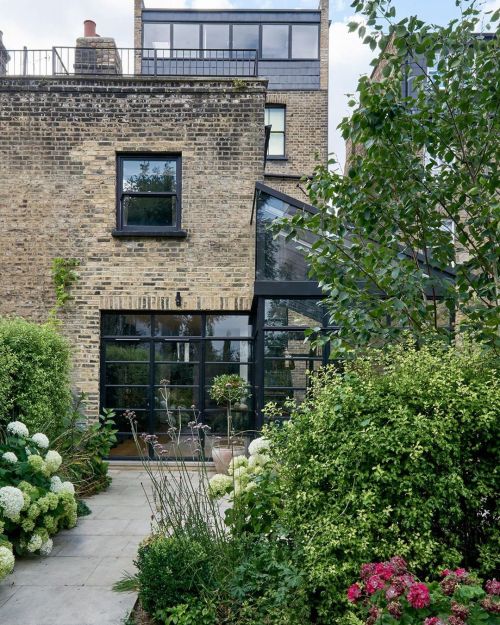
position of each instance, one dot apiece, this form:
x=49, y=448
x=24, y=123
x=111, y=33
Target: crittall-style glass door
x=161, y=366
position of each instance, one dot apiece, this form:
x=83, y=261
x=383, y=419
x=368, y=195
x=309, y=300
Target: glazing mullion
x=152, y=397
x=201, y=390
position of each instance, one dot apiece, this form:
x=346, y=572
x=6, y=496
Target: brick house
x=159, y=168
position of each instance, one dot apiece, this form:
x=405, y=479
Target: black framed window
x=275, y=117
x=144, y=355
x=271, y=41
x=149, y=194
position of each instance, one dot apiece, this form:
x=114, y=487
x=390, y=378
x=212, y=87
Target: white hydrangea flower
x=17, y=428
x=41, y=440
x=35, y=543
x=7, y=561
x=46, y=547
x=55, y=483
x=258, y=446
x=67, y=487
x=240, y=472
x=10, y=457
x=219, y=485
x=11, y=501
x=236, y=462
x=250, y=486
x=53, y=460
x=258, y=460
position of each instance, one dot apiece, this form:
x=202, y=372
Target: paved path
x=73, y=585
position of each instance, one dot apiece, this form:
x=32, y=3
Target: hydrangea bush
x=34, y=502
x=250, y=486
x=387, y=593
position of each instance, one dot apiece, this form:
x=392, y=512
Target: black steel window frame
x=260, y=26
x=289, y=292
x=173, y=230
x=202, y=362
x=272, y=132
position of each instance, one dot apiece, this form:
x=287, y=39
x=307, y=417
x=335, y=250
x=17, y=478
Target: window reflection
x=305, y=41
x=275, y=41
x=277, y=258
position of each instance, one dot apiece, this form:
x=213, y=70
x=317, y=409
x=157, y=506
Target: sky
x=41, y=24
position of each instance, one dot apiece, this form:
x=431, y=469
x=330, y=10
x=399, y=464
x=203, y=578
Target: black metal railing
x=106, y=60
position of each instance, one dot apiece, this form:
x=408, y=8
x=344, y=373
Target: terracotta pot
x=223, y=455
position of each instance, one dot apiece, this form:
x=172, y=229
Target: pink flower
x=399, y=565
x=374, y=583
x=455, y=620
x=492, y=587
x=384, y=570
x=367, y=570
x=433, y=620
x=461, y=573
x=393, y=591
x=395, y=609
x=491, y=605
x=446, y=572
x=402, y=582
x=354, y=593
x=419, y=596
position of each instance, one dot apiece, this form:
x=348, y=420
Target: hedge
x=34, y=375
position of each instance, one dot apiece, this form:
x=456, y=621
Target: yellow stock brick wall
x=58, y=148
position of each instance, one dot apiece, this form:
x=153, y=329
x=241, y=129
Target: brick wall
x=58, y=149
x=306, y=140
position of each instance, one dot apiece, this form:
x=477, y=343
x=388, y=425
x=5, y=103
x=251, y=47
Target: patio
x=73, y=586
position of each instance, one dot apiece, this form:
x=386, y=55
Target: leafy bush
x=34, y=375
x=267, y=585
x=34, y=502
x=396, y=455
x=172, y=570
x=83, y=447
x=388, y=593
x=192, y=612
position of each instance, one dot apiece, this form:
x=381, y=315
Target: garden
x=375, y=500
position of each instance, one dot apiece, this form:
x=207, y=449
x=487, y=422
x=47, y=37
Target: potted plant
x=231, y=390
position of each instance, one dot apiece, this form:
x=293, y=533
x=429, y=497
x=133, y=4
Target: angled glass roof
x=279, y=259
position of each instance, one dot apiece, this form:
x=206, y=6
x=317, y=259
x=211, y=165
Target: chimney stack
x=89, y=27
x=96, y=55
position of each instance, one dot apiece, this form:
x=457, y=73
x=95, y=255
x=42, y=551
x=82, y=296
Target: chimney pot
x=89, y=27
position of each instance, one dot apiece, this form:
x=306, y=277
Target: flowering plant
x=387, y=593
x=251, y=486
x=34, y=503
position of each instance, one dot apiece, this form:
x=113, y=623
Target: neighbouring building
x=160, y=168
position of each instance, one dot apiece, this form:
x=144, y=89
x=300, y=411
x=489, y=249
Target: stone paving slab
x=73, y=586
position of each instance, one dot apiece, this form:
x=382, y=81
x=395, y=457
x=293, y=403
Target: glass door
x=161, y=367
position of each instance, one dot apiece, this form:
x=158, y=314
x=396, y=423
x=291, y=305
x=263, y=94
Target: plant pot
x=223, y=454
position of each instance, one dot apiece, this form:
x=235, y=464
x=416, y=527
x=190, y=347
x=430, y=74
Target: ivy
x=64, y=277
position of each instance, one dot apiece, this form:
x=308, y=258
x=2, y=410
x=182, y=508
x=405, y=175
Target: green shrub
x=192, y=612
x=395, y=456
x=172, y=570
x=34, y=375
x=83, y=447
